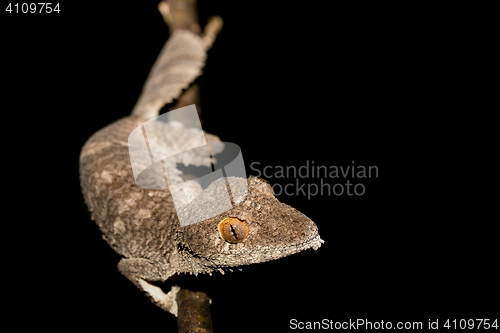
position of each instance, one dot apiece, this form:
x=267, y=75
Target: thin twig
x=180, y=15
x=193, y=312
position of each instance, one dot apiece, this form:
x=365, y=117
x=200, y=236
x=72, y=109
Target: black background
x=288, y=84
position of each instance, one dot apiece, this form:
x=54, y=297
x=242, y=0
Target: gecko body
x=142, y=224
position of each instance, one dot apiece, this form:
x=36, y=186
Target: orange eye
x=233, y=230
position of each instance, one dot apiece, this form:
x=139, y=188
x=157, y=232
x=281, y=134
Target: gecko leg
x=142, y=272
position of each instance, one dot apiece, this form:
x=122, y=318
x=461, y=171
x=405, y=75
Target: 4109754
x=471, y=324
x=33, y=8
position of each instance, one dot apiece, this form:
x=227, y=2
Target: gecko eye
x=233, y=230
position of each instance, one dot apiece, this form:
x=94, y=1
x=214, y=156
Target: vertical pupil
x=233, y=231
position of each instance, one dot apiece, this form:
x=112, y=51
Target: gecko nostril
x=233, y=230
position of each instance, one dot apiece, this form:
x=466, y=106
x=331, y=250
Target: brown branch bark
x=193, y=312
x=180, y=15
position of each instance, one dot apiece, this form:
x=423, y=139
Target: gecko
x=142, y=225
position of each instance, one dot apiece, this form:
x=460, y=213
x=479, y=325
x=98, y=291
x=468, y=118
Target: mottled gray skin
x=142, y=225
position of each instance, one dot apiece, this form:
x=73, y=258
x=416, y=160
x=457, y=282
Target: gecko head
x=257, y=229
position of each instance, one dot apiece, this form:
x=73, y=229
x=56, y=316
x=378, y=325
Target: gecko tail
x=178, y=65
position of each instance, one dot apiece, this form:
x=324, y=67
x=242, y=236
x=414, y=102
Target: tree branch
x=193, y=312
x=180, y=15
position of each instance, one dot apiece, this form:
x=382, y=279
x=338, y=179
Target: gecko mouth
x=267, y=253
x=281, y=251
x=242, y=257
x=313, y=242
